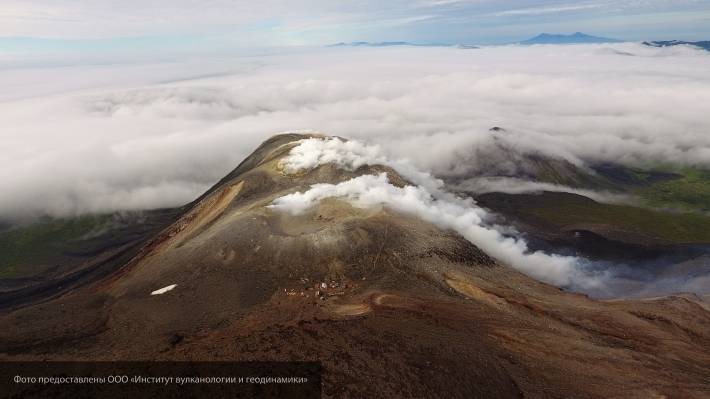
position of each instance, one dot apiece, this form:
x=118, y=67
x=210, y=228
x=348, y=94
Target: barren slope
x=393, y=306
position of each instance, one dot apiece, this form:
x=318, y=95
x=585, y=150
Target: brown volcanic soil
x=408, y=310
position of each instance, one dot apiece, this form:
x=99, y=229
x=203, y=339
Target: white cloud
x=512, y=185
x=550, y=10
x=100, y=138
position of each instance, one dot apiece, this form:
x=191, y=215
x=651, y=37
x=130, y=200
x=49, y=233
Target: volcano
x=282, y=261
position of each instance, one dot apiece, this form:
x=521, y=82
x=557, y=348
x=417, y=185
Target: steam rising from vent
x=438, y=208
x=348, y=155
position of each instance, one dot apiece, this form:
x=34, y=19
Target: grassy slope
x=670, y=227
x=690, y=192
x=28, y=250
x=566, y=174
x=662, y=186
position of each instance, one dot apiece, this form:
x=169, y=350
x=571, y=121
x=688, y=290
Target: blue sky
x=108, y=25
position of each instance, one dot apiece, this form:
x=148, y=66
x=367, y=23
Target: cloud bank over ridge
x=158, y=135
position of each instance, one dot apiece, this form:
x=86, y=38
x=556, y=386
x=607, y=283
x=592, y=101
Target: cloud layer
x=512, y=185
x=121, y=139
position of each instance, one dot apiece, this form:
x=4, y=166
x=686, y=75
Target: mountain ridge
x=574, y=38
x=705, y=45
x=409, y=305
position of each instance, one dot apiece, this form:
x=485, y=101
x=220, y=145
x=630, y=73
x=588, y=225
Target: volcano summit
x=319, y=249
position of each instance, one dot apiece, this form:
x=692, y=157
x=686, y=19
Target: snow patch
x=163, y=290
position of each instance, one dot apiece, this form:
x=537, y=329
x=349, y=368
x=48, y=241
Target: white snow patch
x=163, y=290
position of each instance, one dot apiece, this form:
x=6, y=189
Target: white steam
x=443, y=210
x=348, y=155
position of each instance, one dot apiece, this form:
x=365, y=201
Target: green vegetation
x=689, y=192
x=670, y=227
x=659, y=186
x=28, y=250
x=566, y=174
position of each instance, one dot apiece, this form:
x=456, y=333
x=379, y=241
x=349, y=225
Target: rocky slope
x=393, y=306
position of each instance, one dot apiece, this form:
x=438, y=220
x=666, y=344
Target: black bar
x=136, y=380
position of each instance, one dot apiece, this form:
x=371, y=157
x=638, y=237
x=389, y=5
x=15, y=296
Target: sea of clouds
x=80, y=138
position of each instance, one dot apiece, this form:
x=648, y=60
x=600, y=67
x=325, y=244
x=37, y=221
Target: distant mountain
x=668, y=43
x=575, y=38
x=387, y=44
